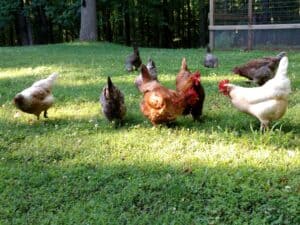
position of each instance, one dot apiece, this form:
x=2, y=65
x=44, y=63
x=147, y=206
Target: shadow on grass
x=33, y=192
x=229, y=131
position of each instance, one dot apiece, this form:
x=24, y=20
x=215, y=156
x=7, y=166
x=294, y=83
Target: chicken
x=267, y=102
x=152, y=72
x=37, y=98
x=210, y=60
x=112, y=102
x=133, y=61
x=195, y=109
x=152, y=68
x=259, y=70
x=162, y=105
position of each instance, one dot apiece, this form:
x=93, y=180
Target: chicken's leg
x=264, y=126
x=45, y=114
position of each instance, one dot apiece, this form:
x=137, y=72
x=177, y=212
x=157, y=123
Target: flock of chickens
x=267, y=101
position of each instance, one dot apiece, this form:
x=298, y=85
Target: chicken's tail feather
x=184, y=64
x=47, y=82
x=109, y=83
x=53, y=76
x=282, y=68
x=281, y=55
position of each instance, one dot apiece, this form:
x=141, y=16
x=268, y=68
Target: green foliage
x=64, y=13
x=47, y=19
x=7, y=10
x=76, y=168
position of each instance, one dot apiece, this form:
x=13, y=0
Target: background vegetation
x=160, y=23
x=153, y=23
x=76, y=168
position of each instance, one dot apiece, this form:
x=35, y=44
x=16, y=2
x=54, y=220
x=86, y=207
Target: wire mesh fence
x=255, y=23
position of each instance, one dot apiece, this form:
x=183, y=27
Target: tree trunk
x=51, y=35
x=29, y=31
x=108, y=30
x=141, y=34
x=189, y=23
x=43, y=28
x=126, y=22
x=88, y=27
x=167, y=35
x=203, y=19
x=11, y=35
x=148, y=36
x=61, y=34
x=23, y=27
x=28, y=25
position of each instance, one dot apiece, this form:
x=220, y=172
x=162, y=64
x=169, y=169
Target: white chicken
x=268, y=102
x=37, y=98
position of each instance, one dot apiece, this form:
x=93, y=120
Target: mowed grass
x=76, y=168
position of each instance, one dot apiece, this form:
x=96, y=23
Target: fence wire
x=264, y=12
x=235, y=12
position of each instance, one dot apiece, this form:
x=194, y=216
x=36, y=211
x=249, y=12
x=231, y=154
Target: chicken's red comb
x=196, y=78
x=197, y=74
x=222, y=83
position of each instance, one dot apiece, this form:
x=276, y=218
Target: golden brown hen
x=163, y=105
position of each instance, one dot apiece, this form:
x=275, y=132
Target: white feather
x=268, y=102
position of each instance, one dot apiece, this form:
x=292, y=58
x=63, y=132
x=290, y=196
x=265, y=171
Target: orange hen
x=160, y=104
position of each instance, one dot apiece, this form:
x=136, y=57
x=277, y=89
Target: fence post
x=211, y=23
x=250, y=19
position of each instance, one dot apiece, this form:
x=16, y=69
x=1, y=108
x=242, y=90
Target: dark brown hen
x=112, y=102
x=133, y=61
x=259, y=70
x=183, y=82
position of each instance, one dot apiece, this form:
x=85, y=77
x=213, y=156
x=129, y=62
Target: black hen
x=259, y=70
x=112, y=102
x=133, y=61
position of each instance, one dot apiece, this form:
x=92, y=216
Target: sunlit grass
x=76, y=168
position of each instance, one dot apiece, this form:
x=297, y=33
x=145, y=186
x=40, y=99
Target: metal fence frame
x=249, y=27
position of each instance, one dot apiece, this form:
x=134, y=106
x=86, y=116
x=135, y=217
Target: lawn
x=76, y=168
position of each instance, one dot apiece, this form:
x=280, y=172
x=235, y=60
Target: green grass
x=76, y=168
